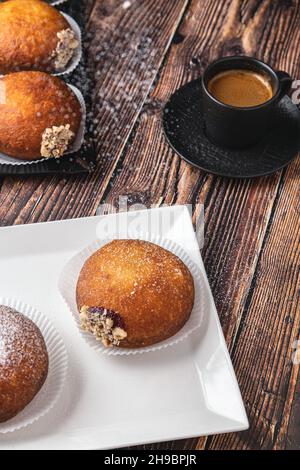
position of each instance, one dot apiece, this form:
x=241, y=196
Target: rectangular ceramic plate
x=110, y=401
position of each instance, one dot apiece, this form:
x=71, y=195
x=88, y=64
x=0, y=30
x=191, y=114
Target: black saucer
x=184, y=128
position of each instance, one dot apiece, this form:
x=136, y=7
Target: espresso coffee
x=240, y=88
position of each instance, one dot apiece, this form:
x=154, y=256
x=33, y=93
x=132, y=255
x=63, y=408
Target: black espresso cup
x=235, y=126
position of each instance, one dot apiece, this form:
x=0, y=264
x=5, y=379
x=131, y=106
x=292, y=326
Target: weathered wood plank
x=125, y=48
x=264, y=347
x=293, y=432
x=237, y=212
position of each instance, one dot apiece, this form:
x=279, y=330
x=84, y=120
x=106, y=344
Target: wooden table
x=139, y=52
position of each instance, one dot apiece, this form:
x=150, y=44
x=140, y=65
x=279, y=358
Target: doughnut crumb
x=67, y=43
x=55, y=141
x=106, y=325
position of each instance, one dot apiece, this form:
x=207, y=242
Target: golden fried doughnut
x=23, y=362
x=133, y=293
x=39, y=115
x=34, y=36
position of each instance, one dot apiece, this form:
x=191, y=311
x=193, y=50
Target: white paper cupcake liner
x=47, y=397
x=56, y=2
x=78, y=52
x=7, y=160
x=68, y=281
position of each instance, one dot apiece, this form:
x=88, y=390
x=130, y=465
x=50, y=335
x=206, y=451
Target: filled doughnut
x=23, y=362
x=34, y=36
x=40, y=116
x=133, y=293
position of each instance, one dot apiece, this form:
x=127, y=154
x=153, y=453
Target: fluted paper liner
x=68, y=281
x=47, y=397
x=56, y=2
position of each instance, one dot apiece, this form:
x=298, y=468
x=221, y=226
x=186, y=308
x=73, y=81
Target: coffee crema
x=240, y=88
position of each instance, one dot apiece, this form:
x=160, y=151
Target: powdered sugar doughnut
x=23, y=362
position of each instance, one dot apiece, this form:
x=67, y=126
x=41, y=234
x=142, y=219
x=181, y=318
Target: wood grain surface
x=138, y=57
x=119, y=41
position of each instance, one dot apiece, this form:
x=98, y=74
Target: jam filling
x=106, y=325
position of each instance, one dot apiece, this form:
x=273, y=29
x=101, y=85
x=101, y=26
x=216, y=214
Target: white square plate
x=184, y=391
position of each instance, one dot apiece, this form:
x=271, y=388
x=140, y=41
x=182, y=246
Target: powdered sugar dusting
x=126, y=4
x=20, y=341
